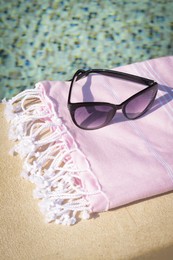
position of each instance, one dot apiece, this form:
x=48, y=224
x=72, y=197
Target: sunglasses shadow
x=86, y=91
x=158, y=103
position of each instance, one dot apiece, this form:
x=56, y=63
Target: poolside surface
x=139, y=231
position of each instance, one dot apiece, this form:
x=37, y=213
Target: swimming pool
x=52, y=39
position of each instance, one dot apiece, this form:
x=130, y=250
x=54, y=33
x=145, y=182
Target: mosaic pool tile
x=52, y=39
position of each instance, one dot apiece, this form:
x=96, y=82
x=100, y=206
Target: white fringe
x=47, y=158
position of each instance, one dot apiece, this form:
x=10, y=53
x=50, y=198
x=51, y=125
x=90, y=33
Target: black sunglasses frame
x=111, y=73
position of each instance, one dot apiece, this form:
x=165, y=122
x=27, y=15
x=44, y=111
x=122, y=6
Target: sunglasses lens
x=141, y=103
x=93, y=117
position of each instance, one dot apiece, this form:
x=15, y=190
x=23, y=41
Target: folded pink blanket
x=78, y=171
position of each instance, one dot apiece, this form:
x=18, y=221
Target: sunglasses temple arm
x=117, y=74
x=128, y=77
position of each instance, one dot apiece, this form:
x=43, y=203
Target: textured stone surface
x=52, y=39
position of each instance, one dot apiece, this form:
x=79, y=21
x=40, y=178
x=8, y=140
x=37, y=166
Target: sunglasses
x=94, y=115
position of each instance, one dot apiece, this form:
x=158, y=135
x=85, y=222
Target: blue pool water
x=52, y=39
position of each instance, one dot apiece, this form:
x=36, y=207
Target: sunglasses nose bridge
x=119, y=106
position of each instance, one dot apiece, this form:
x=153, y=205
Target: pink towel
x=79, y=171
